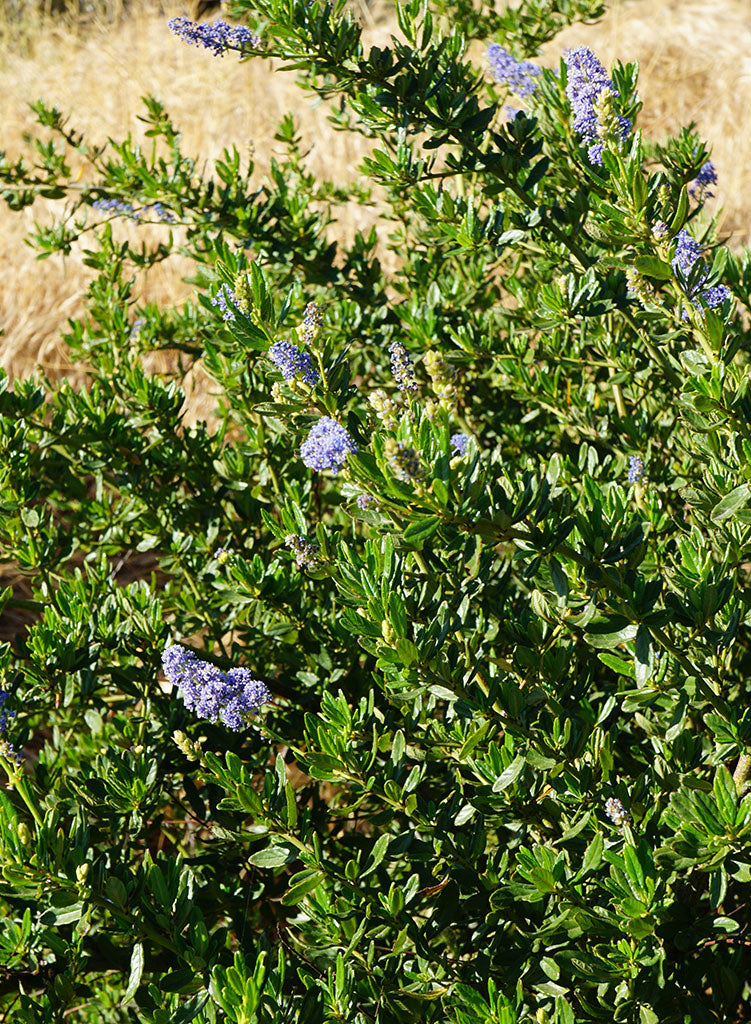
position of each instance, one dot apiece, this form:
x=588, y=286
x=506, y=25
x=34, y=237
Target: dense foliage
x=474, y=505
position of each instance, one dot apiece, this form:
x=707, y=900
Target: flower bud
x=242, y=293
x=189, y=747
x=384, y=407
x=306, y=551
x=387, y=632
x=402, y=461
x=441, y=376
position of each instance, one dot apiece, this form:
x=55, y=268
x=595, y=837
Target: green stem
x=21, y=786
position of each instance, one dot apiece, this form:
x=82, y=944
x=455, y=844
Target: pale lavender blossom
x=327, y=446
x=518, y=75
x=687, y=252
x=707, y=176
x=230, y=697
x=459, y=443
x=293, y=361
x=586, y=81
x=219, y=36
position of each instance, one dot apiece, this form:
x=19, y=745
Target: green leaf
x=417, y=533
x=116, y=891
x=610, y=632
x=619, y=665
x=407, y=651
x=271, y=857
x=635, y=871
x=593, y=856
x=136, y=970
x=651, y=266
x=301, y=884
x=725, y=795
x=376, y=854
x=183, y=980
x=509, y=776
x=731, y=503
x=398, y=748
x=62, y=915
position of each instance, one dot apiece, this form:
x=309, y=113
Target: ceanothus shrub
x=413, y=686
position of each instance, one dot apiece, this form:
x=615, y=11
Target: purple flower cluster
x=312, y=322
x=217, y=37
x=365, y=501
x=617, y=812
x=327, y=446
x=306, y=551
x=636, y=472
x=229, y=697
x=459, y=443
x=587, y=81
x=5, y=715
x=707, y=176
x=226, y=300
x=7, y=750
x=137, y=326
x=401, y=367
x=687, y=252
x=518, y=75
x=292, y=361
x=120, y=209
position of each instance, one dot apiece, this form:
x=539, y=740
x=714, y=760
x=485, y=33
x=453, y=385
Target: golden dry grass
x=695, y=58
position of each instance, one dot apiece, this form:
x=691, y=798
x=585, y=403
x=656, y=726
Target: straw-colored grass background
x=695, y=58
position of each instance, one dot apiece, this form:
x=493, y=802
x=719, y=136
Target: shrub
x=473, y=509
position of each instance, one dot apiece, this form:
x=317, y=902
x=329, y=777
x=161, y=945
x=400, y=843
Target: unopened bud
x=24, y=836
x=242, y=293
x=441, y=375
x=387, y=632
x=384, y=407
x=189, y=747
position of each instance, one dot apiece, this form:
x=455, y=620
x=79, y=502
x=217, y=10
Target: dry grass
x=695, y=66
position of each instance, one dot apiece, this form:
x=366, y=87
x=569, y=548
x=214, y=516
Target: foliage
x=475, y=645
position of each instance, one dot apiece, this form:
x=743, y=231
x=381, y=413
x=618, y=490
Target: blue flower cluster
x=636, y=471
x=707, y=176
x=327, y=446
x=459, y=443
x=401, y=367
x=7, y=750
x=617, y=812
x=120, y=209
x=230, y=697
x=312, y=322
x=222, y=555
x=217, y=37
x=518, y=75
x=305, y=551
x=687, y=252
x=137, y=326
x=5, y=715
x=226, y=300
x=587, y=81
x=292, y=361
